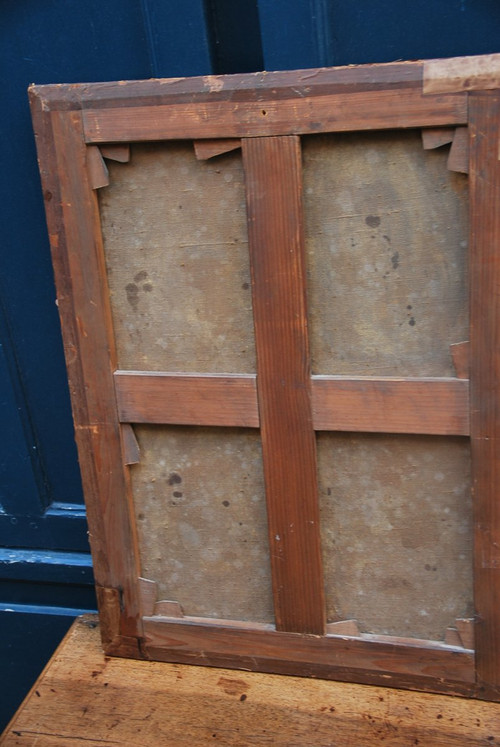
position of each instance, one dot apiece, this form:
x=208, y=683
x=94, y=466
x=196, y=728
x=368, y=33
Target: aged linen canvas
x=277, y=294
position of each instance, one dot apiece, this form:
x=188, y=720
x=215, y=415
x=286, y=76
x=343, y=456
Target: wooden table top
x=84, y=696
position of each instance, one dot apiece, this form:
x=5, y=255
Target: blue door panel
x=178, y=41
x=49, y=42
x=314, y=33
x=234, y=30
x=385, y=31
x=62, y=41
x=17, y=480
x=294, y=35
x=52, y=529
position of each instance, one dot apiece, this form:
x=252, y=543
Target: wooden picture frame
x=81, y=130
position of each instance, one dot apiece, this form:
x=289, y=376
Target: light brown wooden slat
x=416, y=665
x=130, y=446
x=426, y=406
x=485, y=377
x=366, y=110
x=98, y=171
x=82, y=292
x=476, y=72
x=460, y=355
x=381, y=405
x=437, y=137
x=458, y=160
x=222, y=87
x=168, y=608
x=183, y=399
x=120, y=153
x=148, y=592
x=452, y=637
x=276, y=244
x=466, y=630
x=205, y=149
x=71, y=213
x=344, y=628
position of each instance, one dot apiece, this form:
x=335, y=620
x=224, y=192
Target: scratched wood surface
x=84, y=695
x=438, y=406
x=76, y=248
x=276, y=243
x=201, y=518
x=175, y=239
x=301, y=110
x=485, y=373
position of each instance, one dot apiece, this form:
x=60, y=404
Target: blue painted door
x=315, y=33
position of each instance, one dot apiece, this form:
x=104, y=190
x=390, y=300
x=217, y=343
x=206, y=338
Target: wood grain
x=276, y=245
x=386, y=661
x=269, y=111
x=436, y=137
x=130, y=447
x=365, y=110
x=461, y=74
x=148, y=591
x=187, y=399
x=465, y=629
x=458, y=160
x=83, y=302
x=340, y=403
x=460, y=354
x=98, y=171
x=205, y=149
x=377, y=405
x=83, y=695
x=120, y=153
x=253, y=87
x=485, y=375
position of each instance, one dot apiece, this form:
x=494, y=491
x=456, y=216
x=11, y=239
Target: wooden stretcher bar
x=270, y=113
